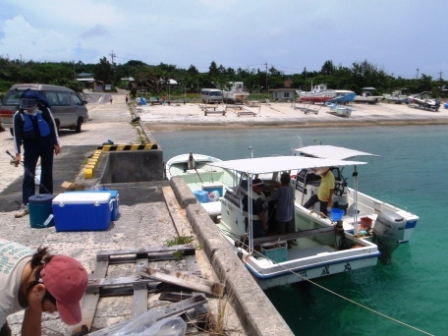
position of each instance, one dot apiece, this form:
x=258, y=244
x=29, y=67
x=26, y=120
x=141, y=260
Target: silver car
x=67, y=108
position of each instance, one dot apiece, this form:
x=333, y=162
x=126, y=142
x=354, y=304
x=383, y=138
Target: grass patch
x=182, y=240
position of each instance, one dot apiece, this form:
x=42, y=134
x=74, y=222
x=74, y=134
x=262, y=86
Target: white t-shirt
x=13, y=259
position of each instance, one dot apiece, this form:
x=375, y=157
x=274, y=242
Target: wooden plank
x=174, y=296
x=185, y=280
x=140, y=300
x=143, y=252
x=178, y=215
x=90, y=301
x=96, y=285
x=294, y=235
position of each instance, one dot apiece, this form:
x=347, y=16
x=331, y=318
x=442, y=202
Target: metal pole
x=250, y=195
x=355, y=201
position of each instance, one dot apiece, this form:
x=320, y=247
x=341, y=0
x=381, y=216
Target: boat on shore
x=396, y=97
x=366, y=217
x=367, y=96
x=341, y=111
x=315, y=249
x=236, y=94
x=424, y=101
x=321, y=94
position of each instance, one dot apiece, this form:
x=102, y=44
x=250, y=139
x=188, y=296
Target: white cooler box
x=82, y=211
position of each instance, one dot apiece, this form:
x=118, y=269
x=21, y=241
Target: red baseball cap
x=66, y=280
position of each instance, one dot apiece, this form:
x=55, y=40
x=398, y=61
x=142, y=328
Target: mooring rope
x=230, y=234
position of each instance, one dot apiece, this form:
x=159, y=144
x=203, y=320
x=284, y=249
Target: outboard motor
x=388, y=231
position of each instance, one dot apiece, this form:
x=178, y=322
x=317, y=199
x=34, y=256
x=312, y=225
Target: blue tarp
x=142, y=101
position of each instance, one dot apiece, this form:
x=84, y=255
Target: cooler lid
x=83, y=198
x=40, y=198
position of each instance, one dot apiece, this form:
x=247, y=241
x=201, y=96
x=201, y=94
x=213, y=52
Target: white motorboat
x=207, y=183
x=367, y=96
x=338, y=110
x=236, y=94
x=396, y=97
x=187, y=164
x=365, y=216
x=319, y=249
x=423, y=101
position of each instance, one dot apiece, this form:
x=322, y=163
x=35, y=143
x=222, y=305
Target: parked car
x=67, y=108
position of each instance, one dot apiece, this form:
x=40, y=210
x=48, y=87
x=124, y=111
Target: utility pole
x=112, y=55
x=440, y=75
x=112, y=67
x=417, y=72
x=267, y=90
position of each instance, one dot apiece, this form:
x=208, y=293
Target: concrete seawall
x=257, y=314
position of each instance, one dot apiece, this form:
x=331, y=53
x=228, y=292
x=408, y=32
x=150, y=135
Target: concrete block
x=183, y=193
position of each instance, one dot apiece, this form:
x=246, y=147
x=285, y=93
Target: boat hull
x=270, y=274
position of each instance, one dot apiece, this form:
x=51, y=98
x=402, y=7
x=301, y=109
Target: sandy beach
x=191, y=116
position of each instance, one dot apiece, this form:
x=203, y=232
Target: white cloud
x=23, y=40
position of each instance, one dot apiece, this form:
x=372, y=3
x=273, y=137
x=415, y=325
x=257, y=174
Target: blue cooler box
x=115, y=200
x=86, y=211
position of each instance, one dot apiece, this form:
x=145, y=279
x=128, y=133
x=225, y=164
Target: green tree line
x=154, y=79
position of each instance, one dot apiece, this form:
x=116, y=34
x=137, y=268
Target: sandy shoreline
x=163, y=126
x=283, y=115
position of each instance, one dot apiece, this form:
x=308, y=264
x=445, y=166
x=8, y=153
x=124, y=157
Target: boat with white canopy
x=382, y=223
x=316, y=250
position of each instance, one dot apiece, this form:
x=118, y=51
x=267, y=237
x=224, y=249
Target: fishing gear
x=13, y=162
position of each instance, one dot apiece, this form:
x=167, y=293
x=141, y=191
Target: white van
x=67, y=108
x=211, y=96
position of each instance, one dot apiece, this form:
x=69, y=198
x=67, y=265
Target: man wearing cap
x=259, y=224
x=325, y=192
x=38, y=282
x=34, y=127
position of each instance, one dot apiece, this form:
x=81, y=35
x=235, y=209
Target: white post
x=251, y=152
x=355, y=201
x=250, y=197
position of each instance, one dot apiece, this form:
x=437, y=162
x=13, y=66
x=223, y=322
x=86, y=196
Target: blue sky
x=398, y=36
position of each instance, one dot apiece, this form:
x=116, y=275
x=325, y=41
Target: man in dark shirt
x=259, y=224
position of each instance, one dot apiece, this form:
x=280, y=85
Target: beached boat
x=396, y=97
x=338, y=110
x=384, y=224
x=321, y=94
x=208, y=183
x=423, y=101
x=316, y=249
x=367, y=96
x=236, y=94
x=343, y=97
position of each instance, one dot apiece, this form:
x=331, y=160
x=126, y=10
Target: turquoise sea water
x=411, y=174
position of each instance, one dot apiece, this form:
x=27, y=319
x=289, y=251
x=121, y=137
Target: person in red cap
x=38, y=282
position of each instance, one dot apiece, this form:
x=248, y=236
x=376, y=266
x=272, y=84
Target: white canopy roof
x=331, y=152
x=272, y=164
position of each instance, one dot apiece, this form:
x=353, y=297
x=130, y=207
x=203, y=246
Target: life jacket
x=29, y=131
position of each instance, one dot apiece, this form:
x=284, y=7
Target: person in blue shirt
x=284, y=215
x=35, y=129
